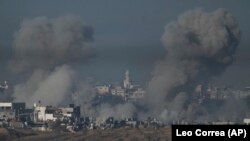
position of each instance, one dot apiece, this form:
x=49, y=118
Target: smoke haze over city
x=58, y=53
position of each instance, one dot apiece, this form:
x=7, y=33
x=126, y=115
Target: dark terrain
x=123, y=134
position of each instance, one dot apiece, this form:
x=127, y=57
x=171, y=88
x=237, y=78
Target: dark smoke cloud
x=199, y=46
x=44, y=43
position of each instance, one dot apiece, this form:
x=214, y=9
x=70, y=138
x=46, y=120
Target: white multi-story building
x=6, y=105
x=6, y=110
x=43, y=113
x=10, y=110
x=49, y=113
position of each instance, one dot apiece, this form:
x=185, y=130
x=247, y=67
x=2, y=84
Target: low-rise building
x=11, y=110
x=102, y=89
x=118, y=91
x=246, y=121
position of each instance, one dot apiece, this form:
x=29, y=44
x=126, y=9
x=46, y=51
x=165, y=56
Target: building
x=71, y=111
x=102, y=89
x=6, y=111
x=128, y=91
x=139, y=93
x=126, y=81
x=49, y=113
x=11, y=110
x=118, y=91
x=4, y=86
x=246, y=121
x=43, y=113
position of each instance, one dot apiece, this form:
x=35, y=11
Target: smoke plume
x=86, y=95
x=43, y=43
x=51, y=88
x=47, y=49
x=199, y=46
x=119, y=111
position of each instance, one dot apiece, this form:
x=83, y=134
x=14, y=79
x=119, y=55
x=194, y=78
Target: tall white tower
x=126, y=81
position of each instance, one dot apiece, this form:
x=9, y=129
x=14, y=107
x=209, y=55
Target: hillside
x=128, y=134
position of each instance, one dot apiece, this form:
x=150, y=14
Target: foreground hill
x=128, y=134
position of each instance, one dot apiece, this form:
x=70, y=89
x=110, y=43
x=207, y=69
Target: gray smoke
x=51, y=88
x=119, y=111
x=44, y=43
x=85, y=97
x=199, y=46
x=47, y=49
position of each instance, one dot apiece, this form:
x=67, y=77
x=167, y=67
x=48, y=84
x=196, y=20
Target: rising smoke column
x=45, y=43
x=199, y=46
x=52, y=88
x=48, y=49
x=86, y=96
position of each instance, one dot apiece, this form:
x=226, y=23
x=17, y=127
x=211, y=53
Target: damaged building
x=13, y=110
x=50, y=113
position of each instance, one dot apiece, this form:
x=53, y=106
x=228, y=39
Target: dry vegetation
x=128, y=134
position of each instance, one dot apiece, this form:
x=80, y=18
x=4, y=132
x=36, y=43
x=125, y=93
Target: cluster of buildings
x=90, y=123
x=50, y=113
x=220, y=93
x=128, y=91
x=131, y=92
x=13, y=114
x=48, y=118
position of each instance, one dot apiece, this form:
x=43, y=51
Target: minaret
x=126, y=82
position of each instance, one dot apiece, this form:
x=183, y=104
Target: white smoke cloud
x=51, y=88
x=199, y=46
x=44, y=43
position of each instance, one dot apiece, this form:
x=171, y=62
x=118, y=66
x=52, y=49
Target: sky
x=127, y=34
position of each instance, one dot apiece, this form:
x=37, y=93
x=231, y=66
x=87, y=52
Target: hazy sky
x=127, y=33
